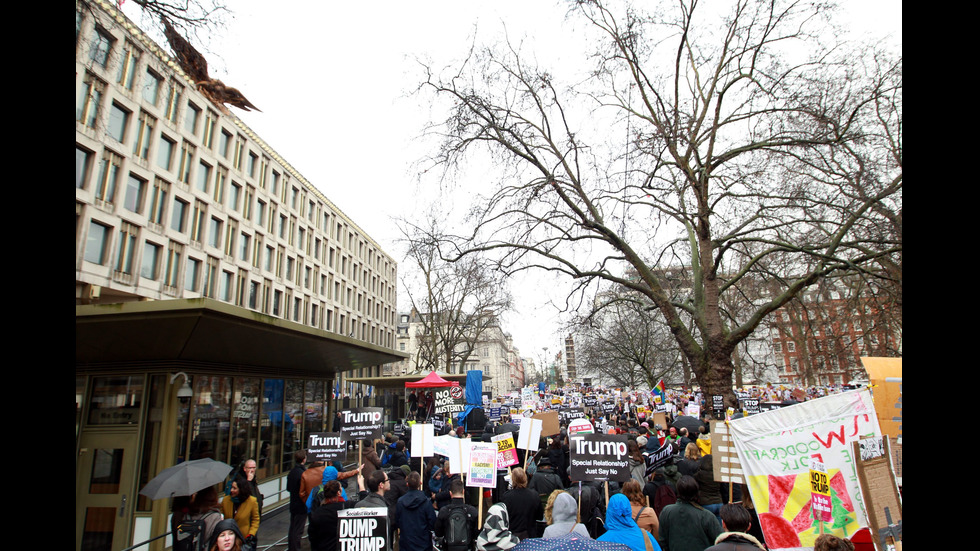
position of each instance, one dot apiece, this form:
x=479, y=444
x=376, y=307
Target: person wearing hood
x=564, y=512
x=735, y=520
x=226, y=537
x=330, y=473
x=621, y=528
x=415, y=517
x=496, y=534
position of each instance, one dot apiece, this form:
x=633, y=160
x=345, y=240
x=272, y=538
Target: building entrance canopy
x=212, y=334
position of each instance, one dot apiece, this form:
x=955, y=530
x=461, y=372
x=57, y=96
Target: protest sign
x=494, y=413
x=326, y=446
x=775, y=448
x=750, y=405
x=659, y=458
x=718, y=404
x=423, y=438
x=820, y=492
x=363, y=529
x=580, y=426
x=886, y=375
x=598, y=457
x=361, y=423
x=879, y=487
x=449, y=400
x=530, y=435
x=725, y=467
x=549, y=422
x=482, y=465
x=506, y=450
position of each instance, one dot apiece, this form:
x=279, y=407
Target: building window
x=165, y=154
x=118, y=120
x=127, y=69
x=158, y=201
x=269, y=254
x=227, y=282
x=191, y=115
x=260, y=213
x=135, y=190
x=83, y=161
x=214, y=233
x=144, y=129
x=191, y=274
x=151, y=87
x=204, y=177
x=253, y=295
x=100, y=47
x=252, y=158
x=244, y=245
x=105, y=190
x=151, y=261
x=126, y=255
x=791, y=346
x=223, y=143
x=96, y=242
x=178, y=219
x=88, y=101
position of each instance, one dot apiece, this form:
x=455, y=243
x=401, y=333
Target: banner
x=362, y=529
x=326, y=446
x=659, y=458
x=506, y=450
x=598, y=457
x=361, y=423
x=775, y=449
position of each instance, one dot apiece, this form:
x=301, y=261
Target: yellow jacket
x=247, y=516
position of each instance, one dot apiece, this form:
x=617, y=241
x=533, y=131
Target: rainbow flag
x=659, y=388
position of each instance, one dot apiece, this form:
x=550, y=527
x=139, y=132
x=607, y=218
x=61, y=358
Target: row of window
x=167, y=158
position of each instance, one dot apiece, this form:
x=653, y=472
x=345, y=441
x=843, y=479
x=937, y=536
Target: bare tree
x=454, y=304
x=733, y=121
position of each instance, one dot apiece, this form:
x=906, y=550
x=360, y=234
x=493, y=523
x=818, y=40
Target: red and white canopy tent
x=432, y=380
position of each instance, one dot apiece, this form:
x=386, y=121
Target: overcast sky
x=334, y=83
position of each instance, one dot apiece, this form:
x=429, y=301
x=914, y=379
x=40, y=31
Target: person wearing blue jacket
x=415, y=517
x=621, y=528
x=330, y=473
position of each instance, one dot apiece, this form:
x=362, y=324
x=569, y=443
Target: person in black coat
x=457, y=490
x=297, y=505
x=323, y=518
x=523, y=506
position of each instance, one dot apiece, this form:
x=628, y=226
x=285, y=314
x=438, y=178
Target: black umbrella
x=183, y=479
x=692, y=424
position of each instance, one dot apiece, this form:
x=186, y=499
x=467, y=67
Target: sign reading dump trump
x=598, y=457
x=361, y=423
x=362, y=529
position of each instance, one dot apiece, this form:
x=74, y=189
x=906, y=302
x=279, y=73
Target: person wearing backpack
x=456, y=527
x=194, y=529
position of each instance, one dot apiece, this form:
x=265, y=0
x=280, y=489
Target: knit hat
x=641, y=441
x=406, y=469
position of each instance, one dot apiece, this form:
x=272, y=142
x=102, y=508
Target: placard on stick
x=725, y=467
x=549, y=422
x=361, y=424
x=882, y=501
x=363, y=529
x=423, y=440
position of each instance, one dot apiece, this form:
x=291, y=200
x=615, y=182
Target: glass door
x=104, y=489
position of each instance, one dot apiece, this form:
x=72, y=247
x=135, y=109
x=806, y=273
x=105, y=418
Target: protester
x=457, y=503
x=830, y=542
x=644, y=515
x=373, y=495
x=227, y=537
x=496, y=534
x=562, y=517
x=203, y=506
x=637, y=463
x=330, y=473
x=691, y=462
x=735, y=521
x=369, y=458
x=545, y=480
x=297, y=508
x=685, y=525
x=397, y=487
x=621, y=528
x=241, y=506
x=523, y=506
x=323, y=527
x=709, y=491
x=415, y=517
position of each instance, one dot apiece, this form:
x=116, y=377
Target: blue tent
x=474, y=394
